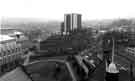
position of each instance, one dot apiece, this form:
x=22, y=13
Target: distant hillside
x=54, y=26
x=109, y=23
x=96, y=23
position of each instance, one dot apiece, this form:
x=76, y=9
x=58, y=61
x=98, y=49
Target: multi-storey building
x=10, y=53
x=71, y=22
x=62, y=28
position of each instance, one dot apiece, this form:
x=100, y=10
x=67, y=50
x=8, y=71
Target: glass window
x=8, y=52
x=1, y=51
x=4, y=53
x=0, y=54
x=16, y=49
x=11, y=49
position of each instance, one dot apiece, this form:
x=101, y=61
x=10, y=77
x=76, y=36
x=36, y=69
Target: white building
x=9, y=49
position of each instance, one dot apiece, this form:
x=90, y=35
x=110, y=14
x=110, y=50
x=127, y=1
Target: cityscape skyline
x=67, y=40
x=72, y=21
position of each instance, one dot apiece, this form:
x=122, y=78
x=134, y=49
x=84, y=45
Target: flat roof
x=15, y=75
x=4, y=38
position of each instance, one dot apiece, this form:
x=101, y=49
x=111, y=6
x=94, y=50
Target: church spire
x=113, y=49
x=112, y=66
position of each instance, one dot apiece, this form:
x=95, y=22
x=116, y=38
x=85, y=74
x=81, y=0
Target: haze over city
x=54, y=9
x=67, y=40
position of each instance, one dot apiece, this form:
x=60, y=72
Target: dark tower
x=71, y=22
x=79, y=21
x=62, y=28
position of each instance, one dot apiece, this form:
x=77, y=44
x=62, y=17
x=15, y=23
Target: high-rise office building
x=62, y=28
x=71, y=22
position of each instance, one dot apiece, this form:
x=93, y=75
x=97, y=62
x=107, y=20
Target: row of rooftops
x=8, y=34
x=6, y=38
x=8, y=41
x=10, y=50
x=9, y=31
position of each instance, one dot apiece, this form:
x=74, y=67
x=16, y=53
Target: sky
x=55, y=9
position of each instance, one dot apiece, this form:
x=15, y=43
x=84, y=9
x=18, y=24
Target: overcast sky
x=55, y=9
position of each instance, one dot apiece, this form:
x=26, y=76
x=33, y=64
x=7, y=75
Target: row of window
x=9, y=58
x=10, y=53
x=131, y=50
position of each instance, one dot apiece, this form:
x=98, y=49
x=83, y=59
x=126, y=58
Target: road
x=99, y=74
x=37, y=66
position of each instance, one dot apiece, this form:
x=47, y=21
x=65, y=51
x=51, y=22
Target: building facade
x=62, y=28
x=11, y=53
x=71, y=22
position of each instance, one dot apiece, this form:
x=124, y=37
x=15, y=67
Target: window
x=4, y=53
x=0, y=54
x=9, y=52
